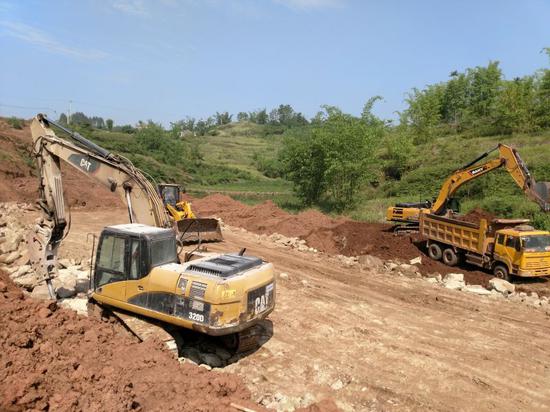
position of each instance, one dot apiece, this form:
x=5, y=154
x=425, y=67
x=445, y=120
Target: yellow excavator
x=405, y=216
x=192, y=228
x=137, y=267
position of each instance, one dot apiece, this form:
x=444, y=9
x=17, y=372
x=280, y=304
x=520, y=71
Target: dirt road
x=376, y=342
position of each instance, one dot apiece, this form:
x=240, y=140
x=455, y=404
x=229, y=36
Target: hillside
x=228, y=160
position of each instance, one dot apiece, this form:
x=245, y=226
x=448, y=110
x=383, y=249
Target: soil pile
x=53, y=359
x=329, y=235
x=475, y=215
x=19, y=181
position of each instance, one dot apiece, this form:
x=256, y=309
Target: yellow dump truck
x=507, y=247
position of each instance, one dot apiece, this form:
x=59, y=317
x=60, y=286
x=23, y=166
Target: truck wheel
x=450, y=258
x=434, y=251
x=501, y=272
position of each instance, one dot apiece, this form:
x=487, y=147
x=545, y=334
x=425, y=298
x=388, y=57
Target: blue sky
x=167, y=59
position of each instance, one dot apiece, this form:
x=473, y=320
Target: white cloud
x=136, y=7
x=311, y=4
x=39, y=38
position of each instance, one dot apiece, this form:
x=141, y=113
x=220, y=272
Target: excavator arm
x=113, y=171
x=510, y=159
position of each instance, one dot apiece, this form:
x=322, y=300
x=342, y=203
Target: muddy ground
x=376, y=342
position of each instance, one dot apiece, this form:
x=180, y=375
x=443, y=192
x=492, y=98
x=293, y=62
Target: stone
x=453, y=284
x=82, y=285
x=392, y=265
x=532, y=301
x=21, y=271
x=534, y=295
x=28, y=281
x=416, y=261
x=11, y=241
x=337, y=385
x=223, y=354
x=41, y=292
x=65, y=291
x=454, y=276
x=409, y=270
x=9, y=258
x=192, y=354
x=477, y=289
x=283, y=275
x=79, y=305
x=432, y=280
x=64, y=263
x=370, y=262
x=502, y=286
x=205, y=366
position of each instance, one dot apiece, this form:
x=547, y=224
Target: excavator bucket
x=199, y=229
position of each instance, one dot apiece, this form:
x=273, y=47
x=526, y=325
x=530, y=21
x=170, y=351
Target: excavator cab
x=191, y=228
x=170, y=194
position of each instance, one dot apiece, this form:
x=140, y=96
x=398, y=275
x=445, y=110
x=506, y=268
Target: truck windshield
x=536, y=243
x=163, y=251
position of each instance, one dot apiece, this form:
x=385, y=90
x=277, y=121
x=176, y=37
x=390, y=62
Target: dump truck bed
x=464, y=235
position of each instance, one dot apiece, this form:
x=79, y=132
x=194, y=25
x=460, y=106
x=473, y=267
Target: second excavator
x=405, y=216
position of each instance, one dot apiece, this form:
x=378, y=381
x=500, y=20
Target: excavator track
x=407, y=228
x=244, y=341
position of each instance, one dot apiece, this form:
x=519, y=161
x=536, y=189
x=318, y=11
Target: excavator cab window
x=111, y=262
x=453, y=204
x=170, y=195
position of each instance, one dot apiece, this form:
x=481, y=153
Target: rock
x=223, y=354
x=305, y=282
x=11, y=241
x=82, y=286
x=454, y=276
x=534, y=295
x=416, y=261
x=432, y=280
x=205, y=366
x=64, y=263
x=28, y=281
x=283, y=275
x=211, y=360
x=192, y=354
x=532, y=301
x=79, y=305
x=337, y=385
x=502, y=286
x=477, y=289
x=370, y=262
x=454, y=284
x=41, y=292
x=409, y=270
x=21, y=271
x=9, y=258
x=65, y=291
x=392, y=265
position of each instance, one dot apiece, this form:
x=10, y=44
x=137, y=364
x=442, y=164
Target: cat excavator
x=137, y=268
x=405, y=216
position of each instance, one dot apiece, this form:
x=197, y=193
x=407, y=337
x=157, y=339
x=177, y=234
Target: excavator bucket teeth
x=199, y=229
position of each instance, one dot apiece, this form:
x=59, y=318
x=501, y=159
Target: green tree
x=262, y=117
x=242, y=116
x=514, y=107
x=109, y=123
x=333, y=158
x=424, y=112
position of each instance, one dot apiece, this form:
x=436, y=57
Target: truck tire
x=450, y=257
x=435, y=252
x=501, y=272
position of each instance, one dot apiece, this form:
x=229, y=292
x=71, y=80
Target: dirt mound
x=19, y=182
x=329, y=235
x=54, y=359
x=475, y=215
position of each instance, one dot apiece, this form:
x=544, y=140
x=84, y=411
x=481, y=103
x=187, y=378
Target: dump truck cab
x=524, y=250
x=137, y=268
